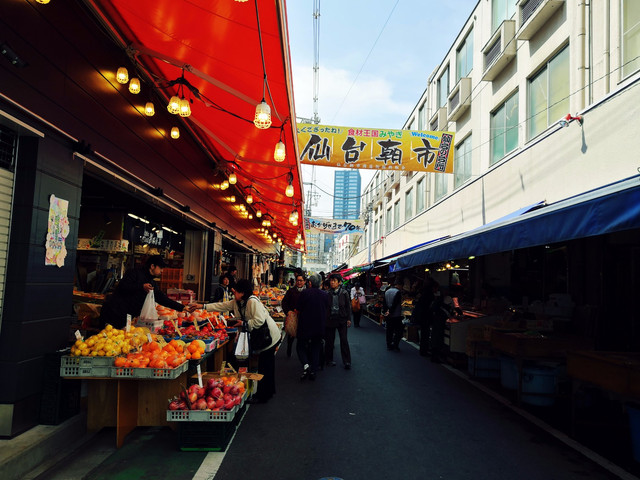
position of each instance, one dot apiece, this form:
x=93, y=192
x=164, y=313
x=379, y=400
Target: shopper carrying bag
x=291, y=323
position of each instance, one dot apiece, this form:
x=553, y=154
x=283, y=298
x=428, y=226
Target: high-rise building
x=346, y=194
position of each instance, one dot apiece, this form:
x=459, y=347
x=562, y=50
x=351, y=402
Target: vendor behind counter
x=130, y=294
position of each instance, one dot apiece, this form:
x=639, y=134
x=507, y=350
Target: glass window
x=375, y=229
x=388, y=220
x=421, y=117
x=502, y=10
x=420, y=194
x=408, y=205
x=396, y=214
x=462, y=163
x=504, y=129
x=549, y=94
x=464, y=58
x=630, y=36
x=440, y=187
x=443, y=88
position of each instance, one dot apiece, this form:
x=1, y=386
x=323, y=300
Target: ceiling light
x=224, y=185
x=250, y=217
x=149, y=110
x=134, y=86
x=185, y=107
x=175, y=132
x=262, y=119
x=249, y=198
x=233, y=179
x=280, y=153
x=289, y=191
x=258, y=213
x=232, y=198
x=174, y=105
x=122, y=75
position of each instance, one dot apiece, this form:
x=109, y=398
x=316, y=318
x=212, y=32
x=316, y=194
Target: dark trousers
x=290, y=341
x=395, y=330
x=309, y=352
x=356, y=317
x=267, y=367
x=425, y=338
x=330, y=338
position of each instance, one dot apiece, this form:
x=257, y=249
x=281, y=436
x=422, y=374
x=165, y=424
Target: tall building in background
x=346, y=194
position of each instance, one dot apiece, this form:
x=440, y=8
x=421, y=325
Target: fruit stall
x=132, y=372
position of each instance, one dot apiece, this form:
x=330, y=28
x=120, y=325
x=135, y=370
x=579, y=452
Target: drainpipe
x=580, y=60
x=607, y=46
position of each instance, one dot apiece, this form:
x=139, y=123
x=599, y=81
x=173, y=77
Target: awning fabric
x=613, y=208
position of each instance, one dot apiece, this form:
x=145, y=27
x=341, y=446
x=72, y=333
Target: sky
x=375, y=58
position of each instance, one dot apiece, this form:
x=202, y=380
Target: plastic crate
x=159, y=373
x=79, y=371
x=202, y=415
x=71, y=361
x=205, y=436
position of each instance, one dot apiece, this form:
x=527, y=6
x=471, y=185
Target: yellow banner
x=378, y=149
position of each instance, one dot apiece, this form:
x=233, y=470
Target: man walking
x=339, y=319
x=392, y=310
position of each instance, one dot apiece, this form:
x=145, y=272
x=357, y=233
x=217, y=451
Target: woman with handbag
x=358, y=300
x=264, y=334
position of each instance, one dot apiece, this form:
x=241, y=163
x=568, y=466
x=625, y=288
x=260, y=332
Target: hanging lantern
x=122, y=75
x=184, y=107
x=175, y=132
x=149, y=110
x=134, y=86
x=174, y=105
x=279, y=153
x=262, y=118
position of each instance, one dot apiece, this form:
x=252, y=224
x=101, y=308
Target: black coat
x=129, y=296
x=290, y=299
x=344, y=307
x=313, y=306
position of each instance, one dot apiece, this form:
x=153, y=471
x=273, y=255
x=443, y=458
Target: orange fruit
x=120, y=361
x=196, y=355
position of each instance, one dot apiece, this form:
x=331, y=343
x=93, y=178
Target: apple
x=219, y=403
x=237, y=400
x=216, y=392
x=194, y=388
x=211, y=383
x=211, y=404
x=226, y=388
x=174, y=405
x=201, y=404
x=193, y=397
x=229, y=405
x=234, y=390
x=226, y=397
x=200, y=391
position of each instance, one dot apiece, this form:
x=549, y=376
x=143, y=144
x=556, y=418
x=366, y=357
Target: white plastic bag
x=149, y=313
x=242, y=347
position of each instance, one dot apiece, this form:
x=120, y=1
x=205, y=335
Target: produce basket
x=160, y=373
x=71, y=366
x=202, y=415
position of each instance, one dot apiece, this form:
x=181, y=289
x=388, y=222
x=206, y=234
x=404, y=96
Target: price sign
x=199, y=375
x=78, y=335
x=149, y=338
x=128, y=327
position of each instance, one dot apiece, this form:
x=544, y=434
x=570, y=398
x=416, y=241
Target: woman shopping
x=358, y=301
x=246, y=307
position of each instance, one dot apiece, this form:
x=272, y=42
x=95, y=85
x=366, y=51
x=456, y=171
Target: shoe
x=347, y=366
x=305, y=372
x=331, y=364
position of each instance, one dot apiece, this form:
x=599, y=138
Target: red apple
x=216, y=392
x=219, y=403
x=200, y=391
x=201, y=404
x=193, y=397
x=229, y=405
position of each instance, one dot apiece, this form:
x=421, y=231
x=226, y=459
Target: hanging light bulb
x=279, y=153
x=44, y=2
x=224, y=185
x=149, y=110
x=289, y=191
x=232, y=198
x=262, y=119
x=175, y=133
x=185, y=107
x=134, y=86
x=250, y=217
x=258, y=213
x=122, y=75
x=249, y=198
x=174, y=105
x=233, y=179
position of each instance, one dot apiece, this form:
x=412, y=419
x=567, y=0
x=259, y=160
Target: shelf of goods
x=617, y=372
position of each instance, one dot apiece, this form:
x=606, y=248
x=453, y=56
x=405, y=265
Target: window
x=462, y=163
x=388, y=222
x=440, y=188
x=421, y=117
x=420, y=194
x=375, y=228
x=630, y=36
x=443, y=88
x=464, y=58
x=396, y=214
x=408, y=205
x=501, y=10
x=504, y=129
x=549, y=94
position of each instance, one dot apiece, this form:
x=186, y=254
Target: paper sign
x=78, y=335
x=199, y=375
x=149, y=337
x=210, y=324
x=128, y=327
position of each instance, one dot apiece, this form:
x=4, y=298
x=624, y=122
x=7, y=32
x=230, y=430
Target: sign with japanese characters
x=378, y=149
x=57, y=232
x=330, y=225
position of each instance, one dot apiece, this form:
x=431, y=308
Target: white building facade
x=515, y=71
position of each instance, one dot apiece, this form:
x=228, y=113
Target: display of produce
x=216, y=394
x=153, y=355
x=110, y=342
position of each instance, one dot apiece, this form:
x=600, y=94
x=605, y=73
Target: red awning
x=218, y=47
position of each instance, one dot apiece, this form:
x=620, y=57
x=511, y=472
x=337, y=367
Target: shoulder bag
x=291, y=323
x=259, y=338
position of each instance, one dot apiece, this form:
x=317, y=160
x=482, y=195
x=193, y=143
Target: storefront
x=90, y=168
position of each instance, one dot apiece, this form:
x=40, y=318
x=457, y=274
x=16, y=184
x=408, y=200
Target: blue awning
x=613, y=208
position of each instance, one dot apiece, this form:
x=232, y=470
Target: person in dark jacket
x=339, y=318
x=423, y=315
x=223, y=292
x=130, y=294
x=313, y=307
x=289, y=302
x=392, y=310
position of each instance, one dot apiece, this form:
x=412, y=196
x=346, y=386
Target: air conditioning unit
x=533, y=14
x=438, y=121
x=499, y=50
x=459, y=99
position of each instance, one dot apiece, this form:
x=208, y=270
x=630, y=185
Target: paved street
x=395, y=415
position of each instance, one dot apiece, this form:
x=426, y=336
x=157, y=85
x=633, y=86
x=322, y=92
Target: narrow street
x=395, y=415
